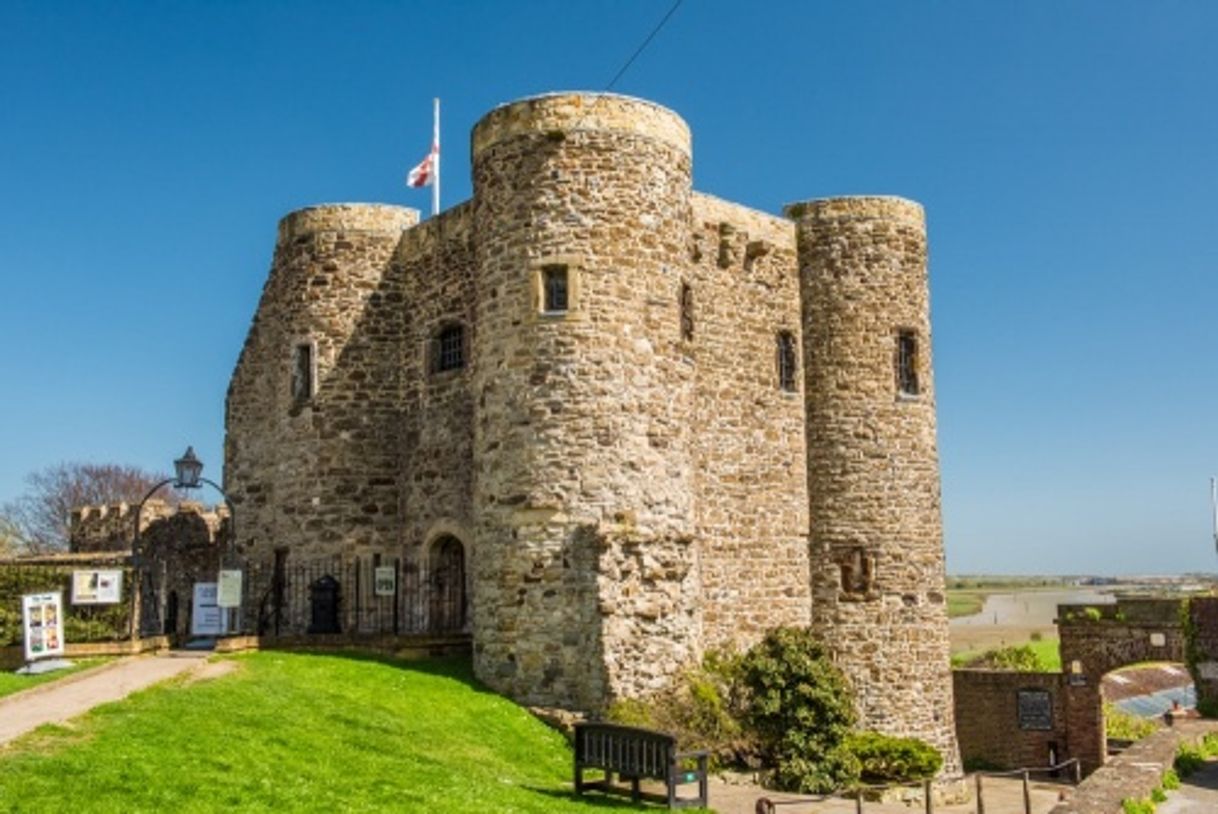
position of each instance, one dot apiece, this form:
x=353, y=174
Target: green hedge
x=82, y=623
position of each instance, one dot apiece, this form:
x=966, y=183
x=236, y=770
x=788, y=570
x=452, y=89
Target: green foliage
x=1125, y=726
x=82, y=623
x=888, y=759
x=1171, y=780
x=1188, y=760
x=702, y=710
x=1131, y=805
x=799, y=706
x=1158, y=795
x=1023, y=658
x=1092, y=614
x=1037, y=636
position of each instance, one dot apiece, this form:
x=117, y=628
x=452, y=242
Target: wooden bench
x=634, y=754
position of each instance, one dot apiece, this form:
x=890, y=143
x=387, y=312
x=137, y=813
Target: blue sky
x=1067, y=155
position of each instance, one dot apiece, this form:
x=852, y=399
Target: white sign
x=97, y=587
x=228, y=592
x=206, y=618
x=1158, y=640
x=43, y=615
x=385, y=580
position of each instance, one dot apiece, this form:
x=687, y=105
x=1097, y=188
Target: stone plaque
x=1158, y=640
x=1035, y=709
x=1208, y=670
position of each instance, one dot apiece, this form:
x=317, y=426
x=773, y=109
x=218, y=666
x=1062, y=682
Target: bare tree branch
x=40, y=516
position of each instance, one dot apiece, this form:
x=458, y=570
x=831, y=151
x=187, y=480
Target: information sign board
x=206, y=617
x=43, y=625
x=228, y=591
x=1035, y=709
x=97, y=587
x=385, y=580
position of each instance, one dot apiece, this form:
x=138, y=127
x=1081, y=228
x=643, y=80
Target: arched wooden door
x=446, y=583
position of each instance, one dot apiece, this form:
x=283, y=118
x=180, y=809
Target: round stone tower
x=873, y=468
x=309, y=456
x=581, y=438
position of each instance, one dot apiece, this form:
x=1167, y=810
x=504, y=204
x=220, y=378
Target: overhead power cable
x=644, y=45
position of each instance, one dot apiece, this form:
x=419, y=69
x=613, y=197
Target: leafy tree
x=39, y=518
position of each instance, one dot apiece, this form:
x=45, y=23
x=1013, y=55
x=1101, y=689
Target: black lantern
x=189, y=469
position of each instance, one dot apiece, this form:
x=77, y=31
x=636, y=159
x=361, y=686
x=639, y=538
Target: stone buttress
x=873, y=470
x=585, y=573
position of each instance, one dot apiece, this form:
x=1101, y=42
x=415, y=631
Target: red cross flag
x=427, y=172
x=423, y=174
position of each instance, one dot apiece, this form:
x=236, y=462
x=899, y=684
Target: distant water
x=1030, y=608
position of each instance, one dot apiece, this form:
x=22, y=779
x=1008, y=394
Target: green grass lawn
x=12, y=682
x=300, y=732
x=965, y=602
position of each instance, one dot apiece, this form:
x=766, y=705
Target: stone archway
x=1097, y=639
x=447, y=600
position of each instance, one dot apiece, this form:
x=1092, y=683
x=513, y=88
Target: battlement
x=557, y=113
x=346, y=217
x=111, y=527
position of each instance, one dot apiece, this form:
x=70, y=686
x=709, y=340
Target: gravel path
x=57, y=702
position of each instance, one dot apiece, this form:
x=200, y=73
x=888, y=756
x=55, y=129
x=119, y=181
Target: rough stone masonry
x=655, y=421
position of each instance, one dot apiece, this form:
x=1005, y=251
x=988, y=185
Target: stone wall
x=873, y=468
x=320, y=472
x=111, y=527
x=987, y=719
x=583, y=416
x=750, y=476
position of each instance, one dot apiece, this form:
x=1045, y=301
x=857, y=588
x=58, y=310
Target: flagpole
x=435, y=141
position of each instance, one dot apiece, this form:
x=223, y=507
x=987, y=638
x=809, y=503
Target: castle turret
x=873, y=469
x=310, y=453
x=585, y=577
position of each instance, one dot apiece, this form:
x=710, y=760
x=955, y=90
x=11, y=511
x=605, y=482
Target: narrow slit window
x=302, y=373
x=687, y=312
x=907, y=363
x=555, y=290
x=786, y=361
x=449, y=352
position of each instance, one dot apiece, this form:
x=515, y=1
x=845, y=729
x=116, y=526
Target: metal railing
x=859, y=793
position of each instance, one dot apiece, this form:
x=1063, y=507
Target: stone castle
x=648, y=420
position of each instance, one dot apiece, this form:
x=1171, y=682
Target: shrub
x=1125, y=726
x=1141, y=806
x=1171, y=780
x=1188, y=760
x=1158, y=795
x=888, y=759
x=800, y=708
x=1022, y=658
x=701, y=710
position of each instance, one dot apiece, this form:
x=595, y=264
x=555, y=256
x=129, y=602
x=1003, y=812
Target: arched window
x=448, y=349
x=907, y=363
x=786, y=361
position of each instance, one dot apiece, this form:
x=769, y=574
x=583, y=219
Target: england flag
x=424, y=174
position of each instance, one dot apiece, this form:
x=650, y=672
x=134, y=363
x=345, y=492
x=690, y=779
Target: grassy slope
x=296, y=732
x=11, y=682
